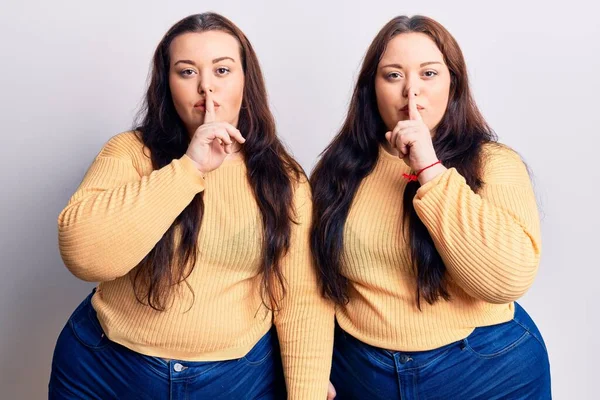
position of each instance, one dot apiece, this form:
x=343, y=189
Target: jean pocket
x=87, y=328
x=496, y=340
x=261, y=350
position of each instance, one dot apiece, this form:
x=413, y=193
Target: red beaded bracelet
x=414, y=177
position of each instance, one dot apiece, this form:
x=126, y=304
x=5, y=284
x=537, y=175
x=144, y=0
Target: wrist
x=198, y=167
x=431, y=173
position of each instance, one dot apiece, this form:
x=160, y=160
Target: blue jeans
x=87, y=365
x=505, y=361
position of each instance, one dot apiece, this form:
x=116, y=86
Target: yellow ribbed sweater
x=122, y=209
x=489, y=242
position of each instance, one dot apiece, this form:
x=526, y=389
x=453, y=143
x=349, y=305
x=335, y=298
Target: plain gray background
x=73, y=74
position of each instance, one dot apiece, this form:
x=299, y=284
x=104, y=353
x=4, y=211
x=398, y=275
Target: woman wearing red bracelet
x=425, y=232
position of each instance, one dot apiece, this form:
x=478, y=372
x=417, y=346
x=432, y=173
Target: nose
x=413, y=85
x=205, y=84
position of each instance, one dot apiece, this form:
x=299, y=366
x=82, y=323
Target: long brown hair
x=354, y=151
x=270, y=169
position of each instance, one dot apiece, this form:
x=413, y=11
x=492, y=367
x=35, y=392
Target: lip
x=405, y=108
x=201, y=105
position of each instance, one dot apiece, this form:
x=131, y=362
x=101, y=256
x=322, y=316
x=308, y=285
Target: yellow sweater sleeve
x=489, y=241
x=305, y=322
x=117, y=216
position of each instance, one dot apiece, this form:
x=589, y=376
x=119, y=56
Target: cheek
x=436, y=112
x=440, y=101
x=387, y=101
x=441, y=98
x=177, y=93
x=235, y=95
x=239, y=94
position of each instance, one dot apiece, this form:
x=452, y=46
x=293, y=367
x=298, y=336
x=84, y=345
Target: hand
x=212, y=141
x=331, y=392
x=412, y=138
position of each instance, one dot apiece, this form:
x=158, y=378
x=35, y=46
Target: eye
x=430, y=73
x=393, y=76
x=187, y=72
x=222, y=71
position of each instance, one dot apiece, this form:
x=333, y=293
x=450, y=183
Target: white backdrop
x=73, y=74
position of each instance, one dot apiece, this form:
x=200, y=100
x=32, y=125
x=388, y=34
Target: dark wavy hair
x=353, y=153
x=271, y=170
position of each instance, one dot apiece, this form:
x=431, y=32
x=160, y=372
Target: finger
x=404, y=124
x=234, y=133
x=220, y=133
x=397, y=128
x=398, y=143
x=388, y=137
x=331, y=393
x=405, y=141
x=401, y=146
x=209, y=108
x=219, y=147
x=413, y=112
x=226, y=147
x=398, y=131
x=394, y=133
x=394, y=140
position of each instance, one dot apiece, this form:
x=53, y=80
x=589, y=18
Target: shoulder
x=501, y=163
x=125, y=145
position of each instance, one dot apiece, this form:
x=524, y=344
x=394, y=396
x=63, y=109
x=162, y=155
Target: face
x=412, y=65
x=206, y=62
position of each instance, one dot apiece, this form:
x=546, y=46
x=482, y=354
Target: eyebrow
x=422, y=65
x=216, y=60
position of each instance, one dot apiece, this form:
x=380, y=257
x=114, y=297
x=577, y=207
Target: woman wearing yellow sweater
x=425, y=232
x=196, y=225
